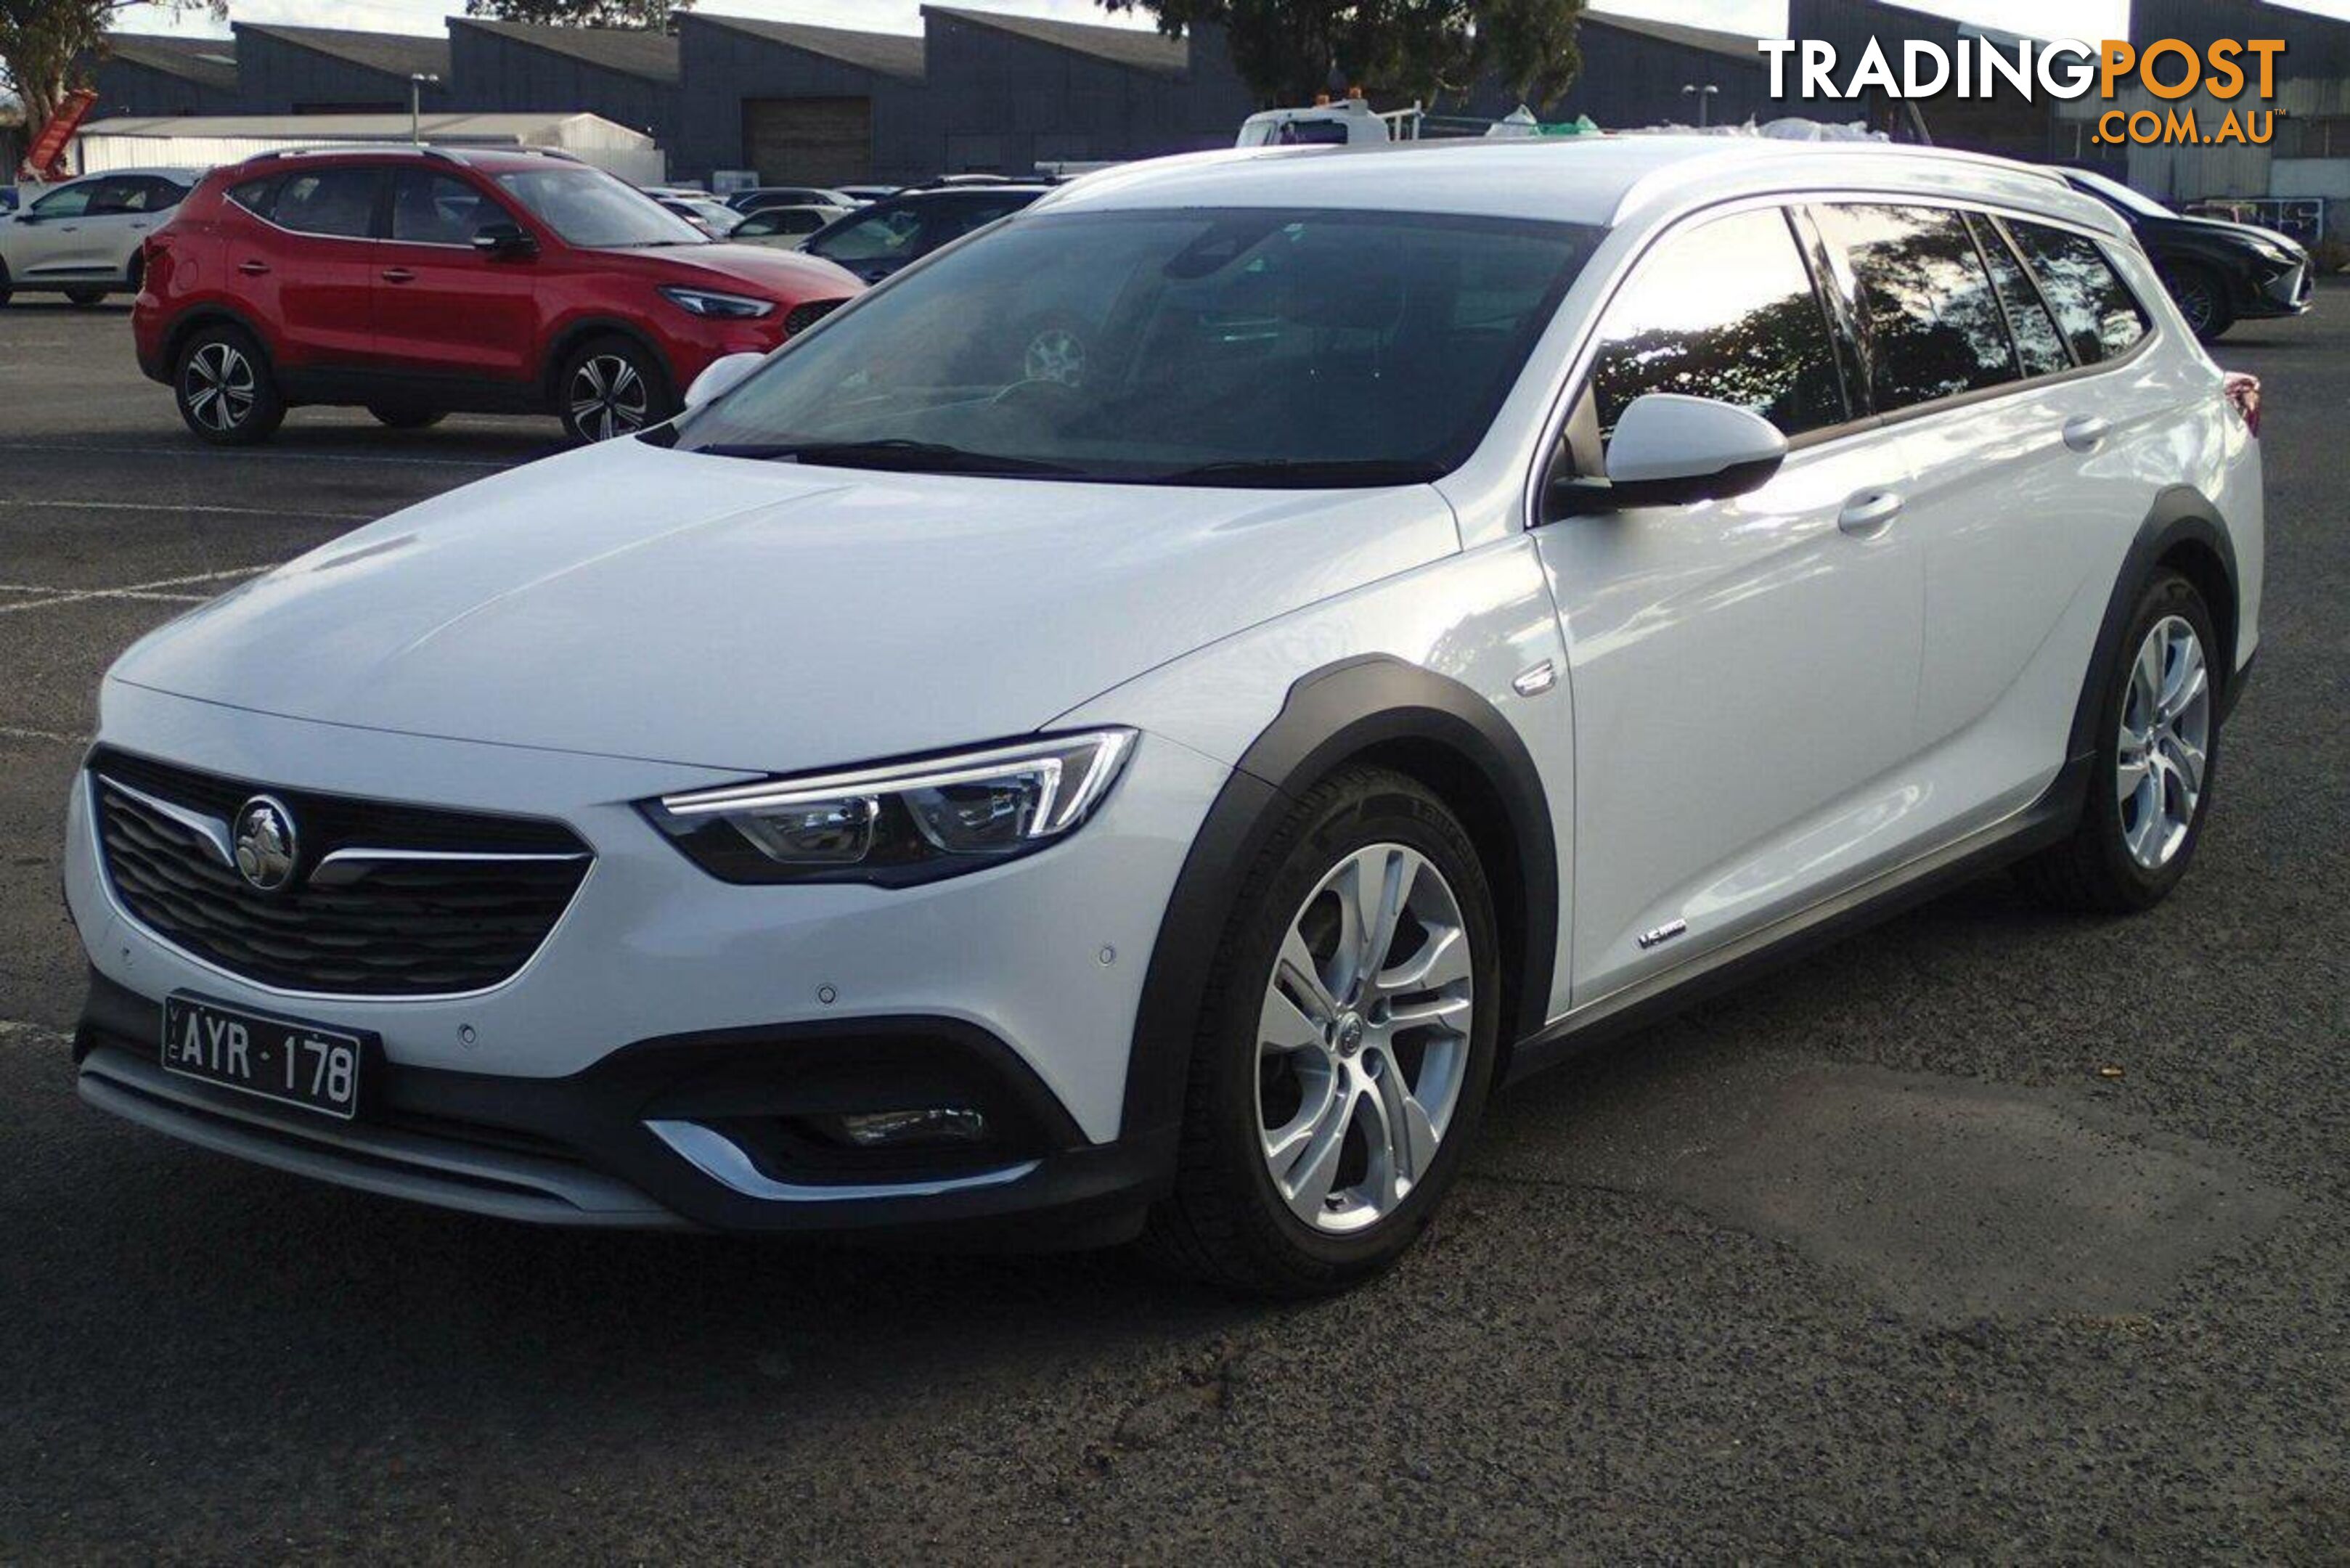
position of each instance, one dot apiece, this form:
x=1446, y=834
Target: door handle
x=2084, y=433
x=1869, y=513
x=253, y=268
x=398, y=274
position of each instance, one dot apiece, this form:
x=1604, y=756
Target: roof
x=1713, y=41
x=401, y=54
x=363, y=129
x=1134, y=49
x=884, y=54
x=625, y=51
x=1606, y=181
x=207, y=62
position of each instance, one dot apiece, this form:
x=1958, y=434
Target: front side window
x=1725, y=310
x=71, y=201
x=1273, y=348
x=1931, y=321
x=590, y=209
x=333, y=201
x=434, y=209
x=2101, y=318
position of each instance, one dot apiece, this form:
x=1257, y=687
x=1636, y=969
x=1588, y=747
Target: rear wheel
x=2150, y=787
x=85, y=298
x=2197, y=292
x=223, y=388
x=407, y=418
x=6, y=293
x=612, y=386
x=1346, y=1046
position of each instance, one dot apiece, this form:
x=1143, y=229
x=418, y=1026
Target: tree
x=643, y=15
x=46, y=47
x=1289, y=51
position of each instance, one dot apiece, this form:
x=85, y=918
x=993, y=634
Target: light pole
x=417, y=83
x=1702, y=92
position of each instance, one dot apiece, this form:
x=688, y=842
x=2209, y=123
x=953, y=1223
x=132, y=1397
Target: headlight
x=899, y=823
x=724, y=306
x=2269, y=250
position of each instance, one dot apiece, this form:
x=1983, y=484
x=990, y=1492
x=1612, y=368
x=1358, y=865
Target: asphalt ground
x=1989, y=1235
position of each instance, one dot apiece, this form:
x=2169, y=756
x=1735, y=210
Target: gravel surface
x=1991, y=1234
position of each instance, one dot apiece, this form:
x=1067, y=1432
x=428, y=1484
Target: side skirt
x=2044, y=823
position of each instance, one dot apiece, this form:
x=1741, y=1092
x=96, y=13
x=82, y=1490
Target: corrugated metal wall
x=494, y=73
x=127, y=87
x=278, y=78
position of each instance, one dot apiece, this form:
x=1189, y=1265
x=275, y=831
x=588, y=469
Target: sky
x=2041, y=18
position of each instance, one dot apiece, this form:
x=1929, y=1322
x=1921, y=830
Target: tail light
x=2244, y=395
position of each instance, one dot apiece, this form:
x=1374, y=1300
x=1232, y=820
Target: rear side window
x=2037, y=343
x=1725, y=310
x=253, y=195
x=2101, y=318
x=1931, y=322
x=339, y=202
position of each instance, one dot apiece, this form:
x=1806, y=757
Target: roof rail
x=420, y=149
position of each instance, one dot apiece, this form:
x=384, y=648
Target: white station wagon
x=1141, y=725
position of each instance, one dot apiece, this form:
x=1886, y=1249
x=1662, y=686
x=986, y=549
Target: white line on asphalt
x=161, y=506
x=13, y=732
x=257, y=456
x=61, y=595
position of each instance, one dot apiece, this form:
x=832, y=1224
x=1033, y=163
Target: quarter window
x=2037, y=343
x=1723, y=310
x=334, y=201
x=1931, y=321
x=2101, y=317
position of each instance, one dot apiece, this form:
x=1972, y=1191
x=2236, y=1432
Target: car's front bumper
x=665, y=1000
x=2289, y=291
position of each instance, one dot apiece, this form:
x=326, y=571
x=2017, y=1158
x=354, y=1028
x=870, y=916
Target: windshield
x=1257, y=347
x=2120, y=195
x=594, y=211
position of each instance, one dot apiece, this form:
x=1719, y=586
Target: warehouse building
x=333, y=70
x=627, y=77
x=1634, y=72
x=159, y=74
x=2007, y=123
x=813, y=105
x=2300, y=179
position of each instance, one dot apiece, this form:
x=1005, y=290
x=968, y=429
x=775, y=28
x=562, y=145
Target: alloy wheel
x=2192, y=294
x=609, y=397
x=220, y=386
x=2166, y=737
x=1363, y=1038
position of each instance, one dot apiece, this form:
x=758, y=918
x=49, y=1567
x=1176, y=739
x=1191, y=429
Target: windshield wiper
x=1293, y=474
x=894, y=452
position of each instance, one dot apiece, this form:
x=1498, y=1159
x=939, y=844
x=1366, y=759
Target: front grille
x=800, y=318
x=395, y=927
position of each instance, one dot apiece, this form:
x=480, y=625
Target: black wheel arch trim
x=175, y=341
x=2181, y=515
x=1339, y=711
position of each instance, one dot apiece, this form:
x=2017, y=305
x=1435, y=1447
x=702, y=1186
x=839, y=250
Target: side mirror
x=1670, y=450
x=503, y=238
x=722, y=376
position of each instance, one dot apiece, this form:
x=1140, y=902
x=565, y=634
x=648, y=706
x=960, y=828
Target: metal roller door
x=809, y=140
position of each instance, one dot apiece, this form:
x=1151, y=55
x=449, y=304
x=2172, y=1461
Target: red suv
x=414, y=283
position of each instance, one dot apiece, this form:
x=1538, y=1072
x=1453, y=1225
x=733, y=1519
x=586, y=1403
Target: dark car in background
x=416, y=283
x=877, y=241
x=2220, y=273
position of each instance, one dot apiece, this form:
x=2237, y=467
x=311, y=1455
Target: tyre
x=6, y=293
x=85, y=298
x=407, y=418
x=2197, y=292
x=223, y=388
x=2158, y=750
x=1346, y=1048
x=612, y=386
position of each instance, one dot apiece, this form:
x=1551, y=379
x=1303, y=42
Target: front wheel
x=1346, y=1046
x=612, y=386
x=223, y=388
x=2150, y=787
x=2196, y=293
